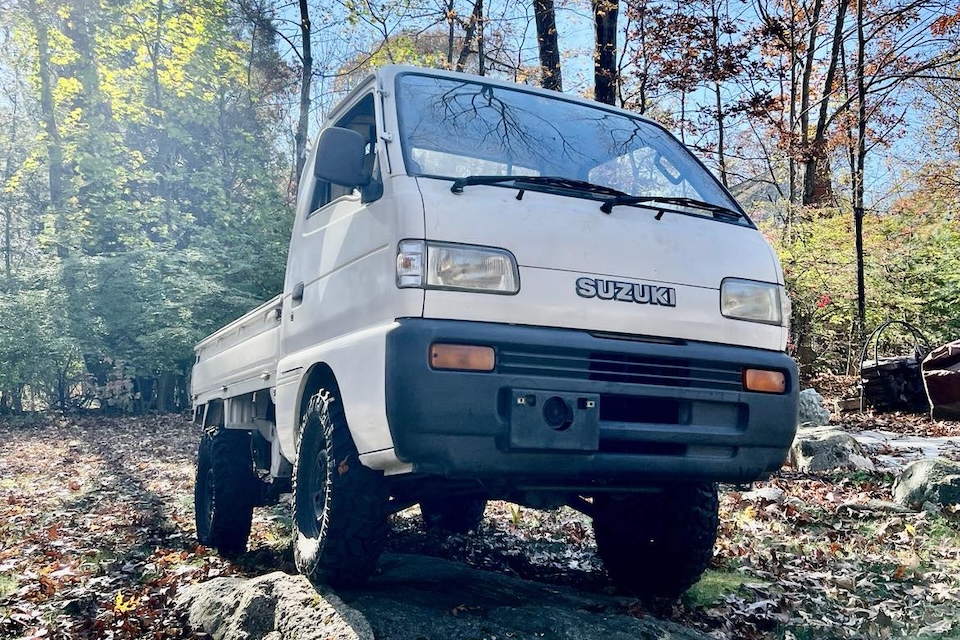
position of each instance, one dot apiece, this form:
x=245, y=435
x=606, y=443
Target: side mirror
x=340, y=158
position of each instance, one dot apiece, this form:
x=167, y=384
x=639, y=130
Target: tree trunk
x=181, y=393
x=303, y=122
x=791, y=124
x=640, y=10
x=63, y=388
x=858, y=176
x=546, y=18
x=48, y=110
x=163, y=393
x=7, y=199
x=817, y=179
x=721, y=142
x=165, y=161
x=813, y=24
x=144, y=388
x=817, y=175
x=716, y=72
x=18, y=399
x=7, y=231
x=605, y=72
x=473, y=29
x=451, y=33
x=683, y=116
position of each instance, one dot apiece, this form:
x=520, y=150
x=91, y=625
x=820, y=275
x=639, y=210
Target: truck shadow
x=420, y=596
x=502, y=547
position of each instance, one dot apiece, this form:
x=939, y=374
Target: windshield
x=453, y=128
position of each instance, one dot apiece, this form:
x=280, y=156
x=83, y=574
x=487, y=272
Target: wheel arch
x=320, y=376
x=214, y=415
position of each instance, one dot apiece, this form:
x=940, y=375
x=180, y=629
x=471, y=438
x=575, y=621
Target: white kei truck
x=495, y=291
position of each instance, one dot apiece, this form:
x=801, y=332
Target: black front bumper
x=641, y=411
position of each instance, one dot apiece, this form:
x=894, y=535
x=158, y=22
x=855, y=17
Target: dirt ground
x=97, y=535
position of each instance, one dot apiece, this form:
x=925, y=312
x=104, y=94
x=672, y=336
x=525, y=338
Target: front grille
x=623, y=368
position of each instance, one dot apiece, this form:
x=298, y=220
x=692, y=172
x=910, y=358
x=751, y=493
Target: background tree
x=548, y=44
x=605, y=70
x=150, y=152
x=158, y=160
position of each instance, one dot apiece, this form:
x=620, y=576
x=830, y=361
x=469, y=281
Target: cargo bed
x=239, y=358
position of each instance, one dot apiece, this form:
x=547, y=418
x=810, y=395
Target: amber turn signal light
x=463, y=357
x=764, y=381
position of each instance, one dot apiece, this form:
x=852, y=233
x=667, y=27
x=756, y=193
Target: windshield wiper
x=556, y=182
x=717, y=210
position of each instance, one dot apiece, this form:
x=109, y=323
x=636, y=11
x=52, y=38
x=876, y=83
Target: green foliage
x=713, y=586
x=34, y=342
x=912, y=273
x=173, y=218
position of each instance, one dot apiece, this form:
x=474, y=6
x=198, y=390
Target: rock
x=934, y=480
x=931, y=508
x=849, y=404
x=811, y=410
x=819, y=449
x=422, y=597
x=275, y=606
x=417, y=597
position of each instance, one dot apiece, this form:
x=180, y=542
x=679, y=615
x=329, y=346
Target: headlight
x=753, y=301
x=438, y=265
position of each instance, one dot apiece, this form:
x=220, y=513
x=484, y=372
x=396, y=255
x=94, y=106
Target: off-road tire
x=225, y=491
x=457, y=514
x=657, y=545
x=339, y=505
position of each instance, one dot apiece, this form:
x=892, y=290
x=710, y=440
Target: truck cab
x=495, y=291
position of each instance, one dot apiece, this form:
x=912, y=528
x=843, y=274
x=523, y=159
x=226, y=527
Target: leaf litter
x=97, y=536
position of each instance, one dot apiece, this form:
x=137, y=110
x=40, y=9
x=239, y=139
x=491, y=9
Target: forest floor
x=97, y=535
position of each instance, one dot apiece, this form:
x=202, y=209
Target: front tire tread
x=343, y=547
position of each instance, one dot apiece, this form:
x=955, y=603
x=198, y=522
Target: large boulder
x=416, y=597
x=934, y=480
x=811, y=410
x=821, y=449
x=276, y=606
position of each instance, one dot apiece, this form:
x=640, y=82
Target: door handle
x=297, y=296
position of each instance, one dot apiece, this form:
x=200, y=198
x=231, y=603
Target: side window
x=362, y=119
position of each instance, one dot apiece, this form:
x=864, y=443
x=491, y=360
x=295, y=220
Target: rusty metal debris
x=893, y=383
x=941, y=378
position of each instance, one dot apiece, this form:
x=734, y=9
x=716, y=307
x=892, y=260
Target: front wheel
x=224, y=491
x=339, y=505
x=657, y=544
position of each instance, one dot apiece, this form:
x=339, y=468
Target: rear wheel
x=340, y=506
x=458, y=514
x=224, y=492
x=657, y=544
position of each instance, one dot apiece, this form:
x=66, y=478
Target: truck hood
x=664, y=275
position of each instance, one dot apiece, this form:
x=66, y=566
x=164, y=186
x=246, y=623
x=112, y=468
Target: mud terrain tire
x=224, y=492
x=339, y=505
x=657, y=545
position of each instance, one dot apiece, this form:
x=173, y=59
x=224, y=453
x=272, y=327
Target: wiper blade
x=546, y=181
x=717, y=210
x=460, y=183
x=573, y=185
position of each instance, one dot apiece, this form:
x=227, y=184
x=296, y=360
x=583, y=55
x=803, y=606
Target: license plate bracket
x=554, y=420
